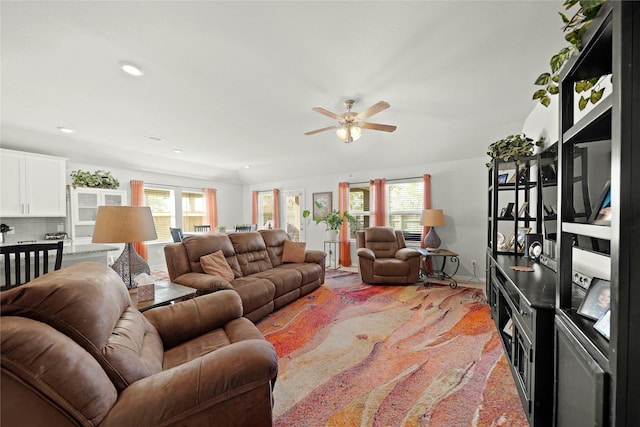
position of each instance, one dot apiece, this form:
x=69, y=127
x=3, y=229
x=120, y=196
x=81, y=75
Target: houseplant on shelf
x=332, y=220
x=513, y=146
x=97, y=179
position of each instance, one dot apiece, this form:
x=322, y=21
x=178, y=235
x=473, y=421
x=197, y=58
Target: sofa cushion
x=198, y=246
x=216, y=265
x=97, y=314
x=293, y=251
x=251, y=252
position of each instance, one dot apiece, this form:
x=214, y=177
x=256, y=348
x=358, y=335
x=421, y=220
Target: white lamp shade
x=124, y=224
x=432, y=218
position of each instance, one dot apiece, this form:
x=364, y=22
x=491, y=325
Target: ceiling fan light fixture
x=349, y=133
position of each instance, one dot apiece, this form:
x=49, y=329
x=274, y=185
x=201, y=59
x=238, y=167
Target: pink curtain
x=211, y=207
x=343, y=205
x=137, y=199
x=426, y=205
x=378, y=202
x=276, y=208
x=254, y=208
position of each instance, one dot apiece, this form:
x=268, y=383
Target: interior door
x=292, y=201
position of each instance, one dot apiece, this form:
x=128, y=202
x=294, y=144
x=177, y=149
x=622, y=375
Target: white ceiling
x=233, y=83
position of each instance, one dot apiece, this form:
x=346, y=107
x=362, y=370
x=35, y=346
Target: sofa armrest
x=316, y=256
x=186, y=320
x=366, y=253
x=405, y=254
x=173, y=396
x=202, y=282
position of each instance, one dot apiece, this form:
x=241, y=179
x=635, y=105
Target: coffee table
x=165, y=293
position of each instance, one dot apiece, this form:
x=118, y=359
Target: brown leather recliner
x=384, y=257
x=75, y=352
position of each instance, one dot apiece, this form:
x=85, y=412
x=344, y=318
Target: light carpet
x=351, y=354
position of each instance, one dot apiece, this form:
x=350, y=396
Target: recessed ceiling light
x=131, y=69
x=177, y=151
x=65, y=130
x=247, y=167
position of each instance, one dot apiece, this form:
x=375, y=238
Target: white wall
x=458, y=187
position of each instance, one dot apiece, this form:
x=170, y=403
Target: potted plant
x=512, y=147
x=97, y=179
x=332, y=220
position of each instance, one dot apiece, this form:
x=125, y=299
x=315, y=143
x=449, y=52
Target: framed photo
x=325, y=200
x=502, y=178
x=506, y=212
x=508, y=328
x=522, y=232
x=601, y=214
x=522, y=212
x=603, y=324
x=508, y=244
x=597, y=301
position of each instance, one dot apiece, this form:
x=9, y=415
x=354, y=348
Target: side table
x=439, y=275
x=331, y=249
x=165, y=293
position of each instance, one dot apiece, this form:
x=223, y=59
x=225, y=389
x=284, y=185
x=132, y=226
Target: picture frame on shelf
x=603, y=325
x=521, y=237
x=601, y=214
x=597, y=301
x=502, y=178
x=325, y=199
x=508, y=328
x=507, y=212
x=522, y=212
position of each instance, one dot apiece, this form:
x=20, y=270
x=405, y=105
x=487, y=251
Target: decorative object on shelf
x=520, y=239
x=125, y=224
x=522, y=212
x=3, y=229
x=432, y=218
x=512, y=147
x=501, y=240
x=502, y=178
x=350, y=124
x=601, y=214
x=597, y=301
x=603, y=325
x=506, y=212
x=97, y=179
x=574, y=28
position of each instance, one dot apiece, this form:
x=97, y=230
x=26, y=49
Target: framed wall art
x=325, y=200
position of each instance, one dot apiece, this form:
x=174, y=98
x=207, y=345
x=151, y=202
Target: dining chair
x=176, y=234
x=201, y=228
x=31, y=260
x=244, y=227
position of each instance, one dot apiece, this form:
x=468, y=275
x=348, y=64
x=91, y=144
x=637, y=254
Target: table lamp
x=125, y=224
x=432, y=218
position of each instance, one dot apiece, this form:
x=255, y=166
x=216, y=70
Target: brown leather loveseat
x=75, y=352
x=384, y=257
x=259, y=275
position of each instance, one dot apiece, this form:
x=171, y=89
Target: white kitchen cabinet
x=31, y=185
x=84, y=209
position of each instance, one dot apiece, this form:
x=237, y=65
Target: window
x=265, y=210
x=405, y=202
x=193, y=209
x=162, y=204
x=359, y=208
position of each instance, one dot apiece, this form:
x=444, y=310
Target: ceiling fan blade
x=382, y=105
x=376, y=126
x=327, y=113
x=313, y=132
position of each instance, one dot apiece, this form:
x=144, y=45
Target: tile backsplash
x=32, y=228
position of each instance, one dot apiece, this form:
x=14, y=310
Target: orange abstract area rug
x=351, y=354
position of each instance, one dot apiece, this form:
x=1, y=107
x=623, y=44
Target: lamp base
x=129, y=264
x=432, y=240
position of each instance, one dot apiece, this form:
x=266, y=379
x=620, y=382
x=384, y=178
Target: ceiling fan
x=350, y=124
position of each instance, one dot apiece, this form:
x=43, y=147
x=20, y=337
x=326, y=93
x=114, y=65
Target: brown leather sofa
x=262, y=280
x=75, y=352
x=384, y=257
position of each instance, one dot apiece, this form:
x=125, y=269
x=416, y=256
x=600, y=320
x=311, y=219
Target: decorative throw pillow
x=293, y=251
x=215, y=264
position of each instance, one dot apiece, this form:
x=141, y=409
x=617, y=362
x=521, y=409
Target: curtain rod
x=389, y=180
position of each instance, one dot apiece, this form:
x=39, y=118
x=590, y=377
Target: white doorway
x=292, y=211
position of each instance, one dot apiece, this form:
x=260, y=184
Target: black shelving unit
x=525, y=188
x=597, y=379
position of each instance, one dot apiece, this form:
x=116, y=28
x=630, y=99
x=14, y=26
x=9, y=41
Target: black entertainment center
x=567, y=320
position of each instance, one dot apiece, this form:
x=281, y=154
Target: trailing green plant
x=512, y=147
x=334, y=219
x=97, y=179
x=574, y=28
